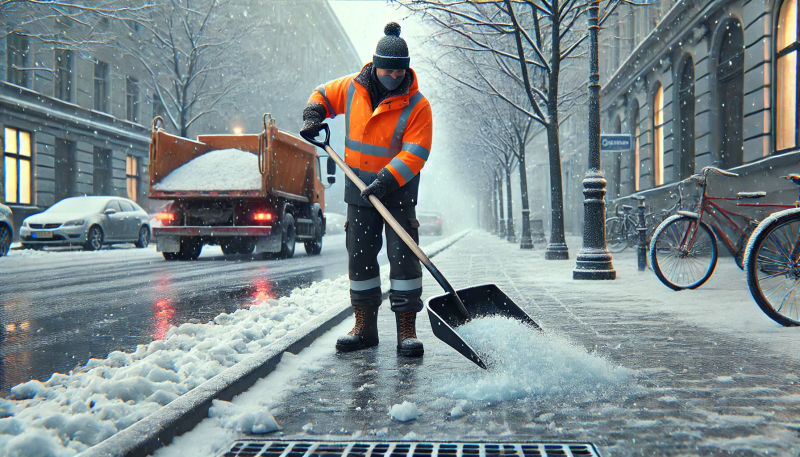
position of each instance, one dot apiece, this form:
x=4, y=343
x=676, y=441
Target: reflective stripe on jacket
x=397, y=135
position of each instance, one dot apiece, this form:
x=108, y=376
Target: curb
x=181, y=415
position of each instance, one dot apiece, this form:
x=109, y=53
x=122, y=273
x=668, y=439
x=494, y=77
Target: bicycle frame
x=721, y=216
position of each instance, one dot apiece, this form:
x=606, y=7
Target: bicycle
x=621, y=228
x=772, y=263
x=683, y=251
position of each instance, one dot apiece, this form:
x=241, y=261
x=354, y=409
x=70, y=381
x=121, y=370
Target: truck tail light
x=262, y=216
x=438, y=221
x=165, y=217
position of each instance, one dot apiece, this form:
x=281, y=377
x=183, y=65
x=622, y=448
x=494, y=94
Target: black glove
x=383, y=185
x=313, y=115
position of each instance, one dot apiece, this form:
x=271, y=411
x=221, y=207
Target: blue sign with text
x=616, y=142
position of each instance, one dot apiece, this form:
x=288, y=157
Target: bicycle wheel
x=616, y=234
x=678, y=264
x=773, y=268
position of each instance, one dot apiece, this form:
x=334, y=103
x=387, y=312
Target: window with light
x=786, y=44
x=17, y=169
x=132, y=172
x=658, y=128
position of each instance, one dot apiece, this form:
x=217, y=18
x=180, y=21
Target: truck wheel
x=288, y=238
x=230, y=246
x=171, y=255
x=190, y=248
x=314, y=247
x=246, y=246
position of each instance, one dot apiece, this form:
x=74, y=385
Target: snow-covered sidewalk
x=627, y=365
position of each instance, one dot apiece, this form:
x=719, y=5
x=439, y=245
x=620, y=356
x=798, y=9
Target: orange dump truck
x=261, y=192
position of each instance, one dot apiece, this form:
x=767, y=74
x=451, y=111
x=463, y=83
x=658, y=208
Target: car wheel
x=94, y=239
x=170, y=255
x=5, y=240
x=229, y=247
x=144, y=237
x=289, y=237
x=247, y=245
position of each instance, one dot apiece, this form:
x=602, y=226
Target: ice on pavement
x=525, y=362
x=254, y=419
x=224, y=169
x=403, y=413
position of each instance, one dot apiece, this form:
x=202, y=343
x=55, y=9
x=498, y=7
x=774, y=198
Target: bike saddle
x=637, y=197
x=795, y=178
x=751, y=194
x=627, y=208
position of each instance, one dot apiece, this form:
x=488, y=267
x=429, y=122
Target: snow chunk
x=456, y=412
x=525, y=362
x=27, y=390
x=405, y=412
x=243, y=419
x=35, y=443
x=225, y=169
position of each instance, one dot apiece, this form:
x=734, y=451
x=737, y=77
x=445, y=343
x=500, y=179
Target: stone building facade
x=697, y=83
x=84, y=127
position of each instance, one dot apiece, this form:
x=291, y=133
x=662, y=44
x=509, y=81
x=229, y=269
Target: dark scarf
x=377, y=93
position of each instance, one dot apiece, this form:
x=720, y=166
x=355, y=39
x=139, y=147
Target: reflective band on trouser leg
x=406, y=284
x=368, y=284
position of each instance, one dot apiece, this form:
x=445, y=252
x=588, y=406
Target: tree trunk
x=510, y=236
x=557, y=249
x=499, y=183
x=526, y=242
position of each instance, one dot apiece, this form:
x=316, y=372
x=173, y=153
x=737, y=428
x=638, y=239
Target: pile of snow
x=525, y=362
x=70, y=412
x=223, y=170
x=405, y=412
x=253, y=419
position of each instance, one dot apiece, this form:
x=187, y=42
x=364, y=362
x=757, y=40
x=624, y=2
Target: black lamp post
x=594, y=260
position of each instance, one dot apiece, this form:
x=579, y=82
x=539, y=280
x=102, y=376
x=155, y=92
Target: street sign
x=616, y=142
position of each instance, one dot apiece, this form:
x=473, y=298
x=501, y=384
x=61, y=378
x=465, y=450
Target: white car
x=6, y=229
x=90, y=222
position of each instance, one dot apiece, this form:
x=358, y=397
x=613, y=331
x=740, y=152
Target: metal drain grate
x=263, y=448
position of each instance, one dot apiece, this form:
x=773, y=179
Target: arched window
x=637, y=158
x=730, y=95
x=686, y=101
x=786, y=46
x=658, y=140
x=616, y=162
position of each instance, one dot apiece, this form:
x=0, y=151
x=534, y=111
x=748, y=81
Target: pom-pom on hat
x=392, y=51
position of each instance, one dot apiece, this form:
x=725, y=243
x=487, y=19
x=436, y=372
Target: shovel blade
x=480, y=301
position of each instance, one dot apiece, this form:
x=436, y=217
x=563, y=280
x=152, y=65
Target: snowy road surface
x=61, y=307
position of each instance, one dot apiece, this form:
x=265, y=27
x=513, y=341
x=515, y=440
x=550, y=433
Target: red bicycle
x=683, y=250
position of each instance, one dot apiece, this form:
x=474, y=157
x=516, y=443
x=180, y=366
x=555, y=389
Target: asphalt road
x=58, y=308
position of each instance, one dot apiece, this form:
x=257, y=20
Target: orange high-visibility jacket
x=397, y=135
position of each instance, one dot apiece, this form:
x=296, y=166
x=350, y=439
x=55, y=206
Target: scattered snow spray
x=524, y=362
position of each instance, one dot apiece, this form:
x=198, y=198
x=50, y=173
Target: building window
x=101, y=175
x=132, y=173
x=132, y=94
x=637, y=158
x=158, y=107
x=17, y=156
x=687, y=114
x=66, y=164
x=17, y=59
x=658, y=140
x=786, y=101
x=730, y=96
x=101, y=86
x=63, y=82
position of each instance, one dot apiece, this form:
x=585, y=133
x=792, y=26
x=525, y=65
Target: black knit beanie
x=392, y=51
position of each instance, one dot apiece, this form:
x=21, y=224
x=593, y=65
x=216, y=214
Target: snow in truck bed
x=221, y=170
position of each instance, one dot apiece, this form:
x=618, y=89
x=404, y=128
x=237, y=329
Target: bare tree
x=527, y=41
x=190, y=51
x=73, y=25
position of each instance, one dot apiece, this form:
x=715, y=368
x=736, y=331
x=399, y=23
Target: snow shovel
x=455, y=308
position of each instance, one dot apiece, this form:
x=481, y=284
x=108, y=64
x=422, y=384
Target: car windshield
x=76, y=205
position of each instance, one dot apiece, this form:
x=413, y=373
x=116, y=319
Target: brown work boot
x=365, y=332
x=407, y=343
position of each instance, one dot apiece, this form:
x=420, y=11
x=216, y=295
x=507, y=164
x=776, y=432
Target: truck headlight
x=76, y=223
